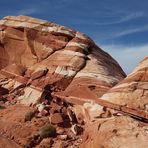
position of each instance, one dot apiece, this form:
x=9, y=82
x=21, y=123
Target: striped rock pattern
x=38, y=53
x=117, y=129
x=133, y=90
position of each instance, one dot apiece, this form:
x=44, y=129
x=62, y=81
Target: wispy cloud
x=27, y=11
x=108, y=19
x=62, y=3
x=131, y=31
x=127, y=56
x=131, y=16
x=124, y=18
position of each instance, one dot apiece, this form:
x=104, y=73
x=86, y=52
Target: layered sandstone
x=64, y=79
x=36, y=54
x=133, y=90
x=129, y=96
x=111, y=126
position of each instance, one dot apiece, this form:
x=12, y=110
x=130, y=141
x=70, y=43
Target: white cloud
x=113, y=19
x=131, y=16
x=62, y=3
x=131, y=31
x=127, y=56
x=28, y=11
x=125, y=18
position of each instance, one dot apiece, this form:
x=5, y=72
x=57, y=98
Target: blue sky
x=120, y=27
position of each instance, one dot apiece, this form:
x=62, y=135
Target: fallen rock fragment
x=63, y=137
x=55, y=107
x=60, y=130
x=3, y=91
x=45, y=143
x=56, y=118
x=40, y=107
x=76, y=129
x=71, y=115
x=39, y=72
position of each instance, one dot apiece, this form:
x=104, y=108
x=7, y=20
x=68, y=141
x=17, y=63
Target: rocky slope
x=59, y=89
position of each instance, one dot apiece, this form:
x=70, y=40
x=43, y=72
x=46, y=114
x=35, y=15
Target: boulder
x=56, y=118
x=3, y=91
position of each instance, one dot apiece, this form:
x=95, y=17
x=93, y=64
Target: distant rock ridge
x=133, y=90
x=37, y=53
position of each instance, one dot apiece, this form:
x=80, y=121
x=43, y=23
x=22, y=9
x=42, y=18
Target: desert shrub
x=29, y=115
x=47, y=130
x=2, y=107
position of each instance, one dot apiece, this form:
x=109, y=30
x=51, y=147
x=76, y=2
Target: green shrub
x=2, y=107
x=29, y=116
x=47, y=130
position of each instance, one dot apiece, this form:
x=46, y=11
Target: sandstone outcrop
x=111, y=127
x=115, y=132
x=57, y=79
x=37, y=53
x=133, y=90
x=129, y=96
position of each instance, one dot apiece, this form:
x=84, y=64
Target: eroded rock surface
x=115, y=132
x=52, y=78
x=133, y=90
x=37, y=53
x=111, y=128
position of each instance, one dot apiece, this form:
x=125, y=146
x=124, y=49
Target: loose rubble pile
x=58, y=89
x=50, y=124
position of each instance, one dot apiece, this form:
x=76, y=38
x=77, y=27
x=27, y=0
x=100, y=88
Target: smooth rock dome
x=38, y=53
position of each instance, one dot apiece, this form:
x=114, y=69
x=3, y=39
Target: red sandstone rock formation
x=133, y=90
x=115, y=132
x=68, y=81
x=129, y=97
x=37, y=53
